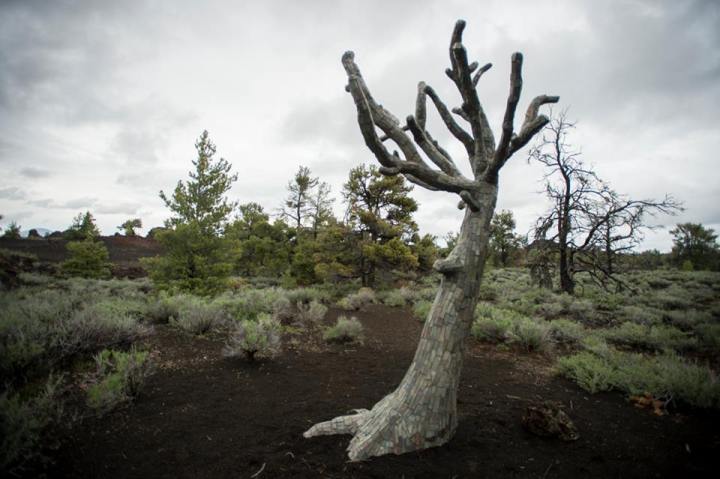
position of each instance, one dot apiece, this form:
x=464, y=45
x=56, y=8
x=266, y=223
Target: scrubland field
x=109, y=378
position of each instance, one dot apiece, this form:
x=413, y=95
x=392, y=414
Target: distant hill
x=125, y=252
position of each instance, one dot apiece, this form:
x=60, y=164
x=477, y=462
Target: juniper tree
x=422, y=411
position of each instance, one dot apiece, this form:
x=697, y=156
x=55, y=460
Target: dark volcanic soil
x=203, y=416
x=125, y=252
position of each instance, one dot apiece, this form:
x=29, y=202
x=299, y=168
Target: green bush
x=344, y=331
x=306, y=295
x=491, y=330
x=49, y=327
x=666, y=376
x=282, y=309
x=119, y=377
x=687, y=320
x=249, y=303
x=359, y=300
x=591, y=372
x=87, y=259
x=709, y=336
x=92, y=329
x=649, y=337
x=312, y=313
x=531, y=335
x=26, y=426
x=197, y=316
x=394, y=298
x=421, y=309
x=254, y=339
x=161, y=309
x=640, y=315
x=566, y=331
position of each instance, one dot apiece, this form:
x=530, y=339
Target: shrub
x=312, y=313
x=491, y=330
x=248, y=303
x=344, y=331
x=120, y=377
x=254, y=338
x=709, y=336
x=591, y=372
x=665, y=376
x=394, y=298
x=26, y=425
x=162, y=309
x=636, y=314
x=198, y=317
x=282, y=309
x=687, y=319
x=421, y=309
x=306, y=295
x=88, y=259
x=566, y=331
x=531, y=335
x=92, y=329
x=649, y=337
x=359, y=300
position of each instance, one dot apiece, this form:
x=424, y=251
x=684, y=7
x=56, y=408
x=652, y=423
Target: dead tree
x=591, y=222
x=422, y=411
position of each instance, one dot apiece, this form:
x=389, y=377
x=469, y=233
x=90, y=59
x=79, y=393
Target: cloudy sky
x=101, y=102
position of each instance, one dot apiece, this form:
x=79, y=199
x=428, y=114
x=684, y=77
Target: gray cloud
x=31, y=172
x=128, y=208
x=12, y=193
x=100, y=102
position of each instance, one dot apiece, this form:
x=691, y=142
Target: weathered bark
x=422, y=411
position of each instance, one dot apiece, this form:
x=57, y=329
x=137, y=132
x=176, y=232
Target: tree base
x=393, y=426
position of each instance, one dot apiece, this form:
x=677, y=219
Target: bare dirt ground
x=204, y=416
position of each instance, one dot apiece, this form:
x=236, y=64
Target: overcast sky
x=102, y=101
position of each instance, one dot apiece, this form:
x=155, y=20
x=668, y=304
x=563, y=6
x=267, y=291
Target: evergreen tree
x=82, y=227
x=694, y=243
x=12, y=231
x=88, y=258
x=201, y=200
x=503, y=240
x=196, y=257
x=129, y=226
x=321, y=208
x=297, y=208
x=261, y=246
x=380, y=211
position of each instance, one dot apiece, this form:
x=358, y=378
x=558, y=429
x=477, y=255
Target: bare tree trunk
x=567, y=283
x=422, y=411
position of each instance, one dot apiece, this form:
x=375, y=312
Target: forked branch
x=485, y=159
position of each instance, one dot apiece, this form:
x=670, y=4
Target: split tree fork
x=422, y=411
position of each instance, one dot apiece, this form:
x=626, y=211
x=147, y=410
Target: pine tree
x=201, y=200
x=380, y=212
x=82, y=227
x=196, y=257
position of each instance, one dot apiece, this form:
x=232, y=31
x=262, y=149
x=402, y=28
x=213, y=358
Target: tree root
x=389, y=428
